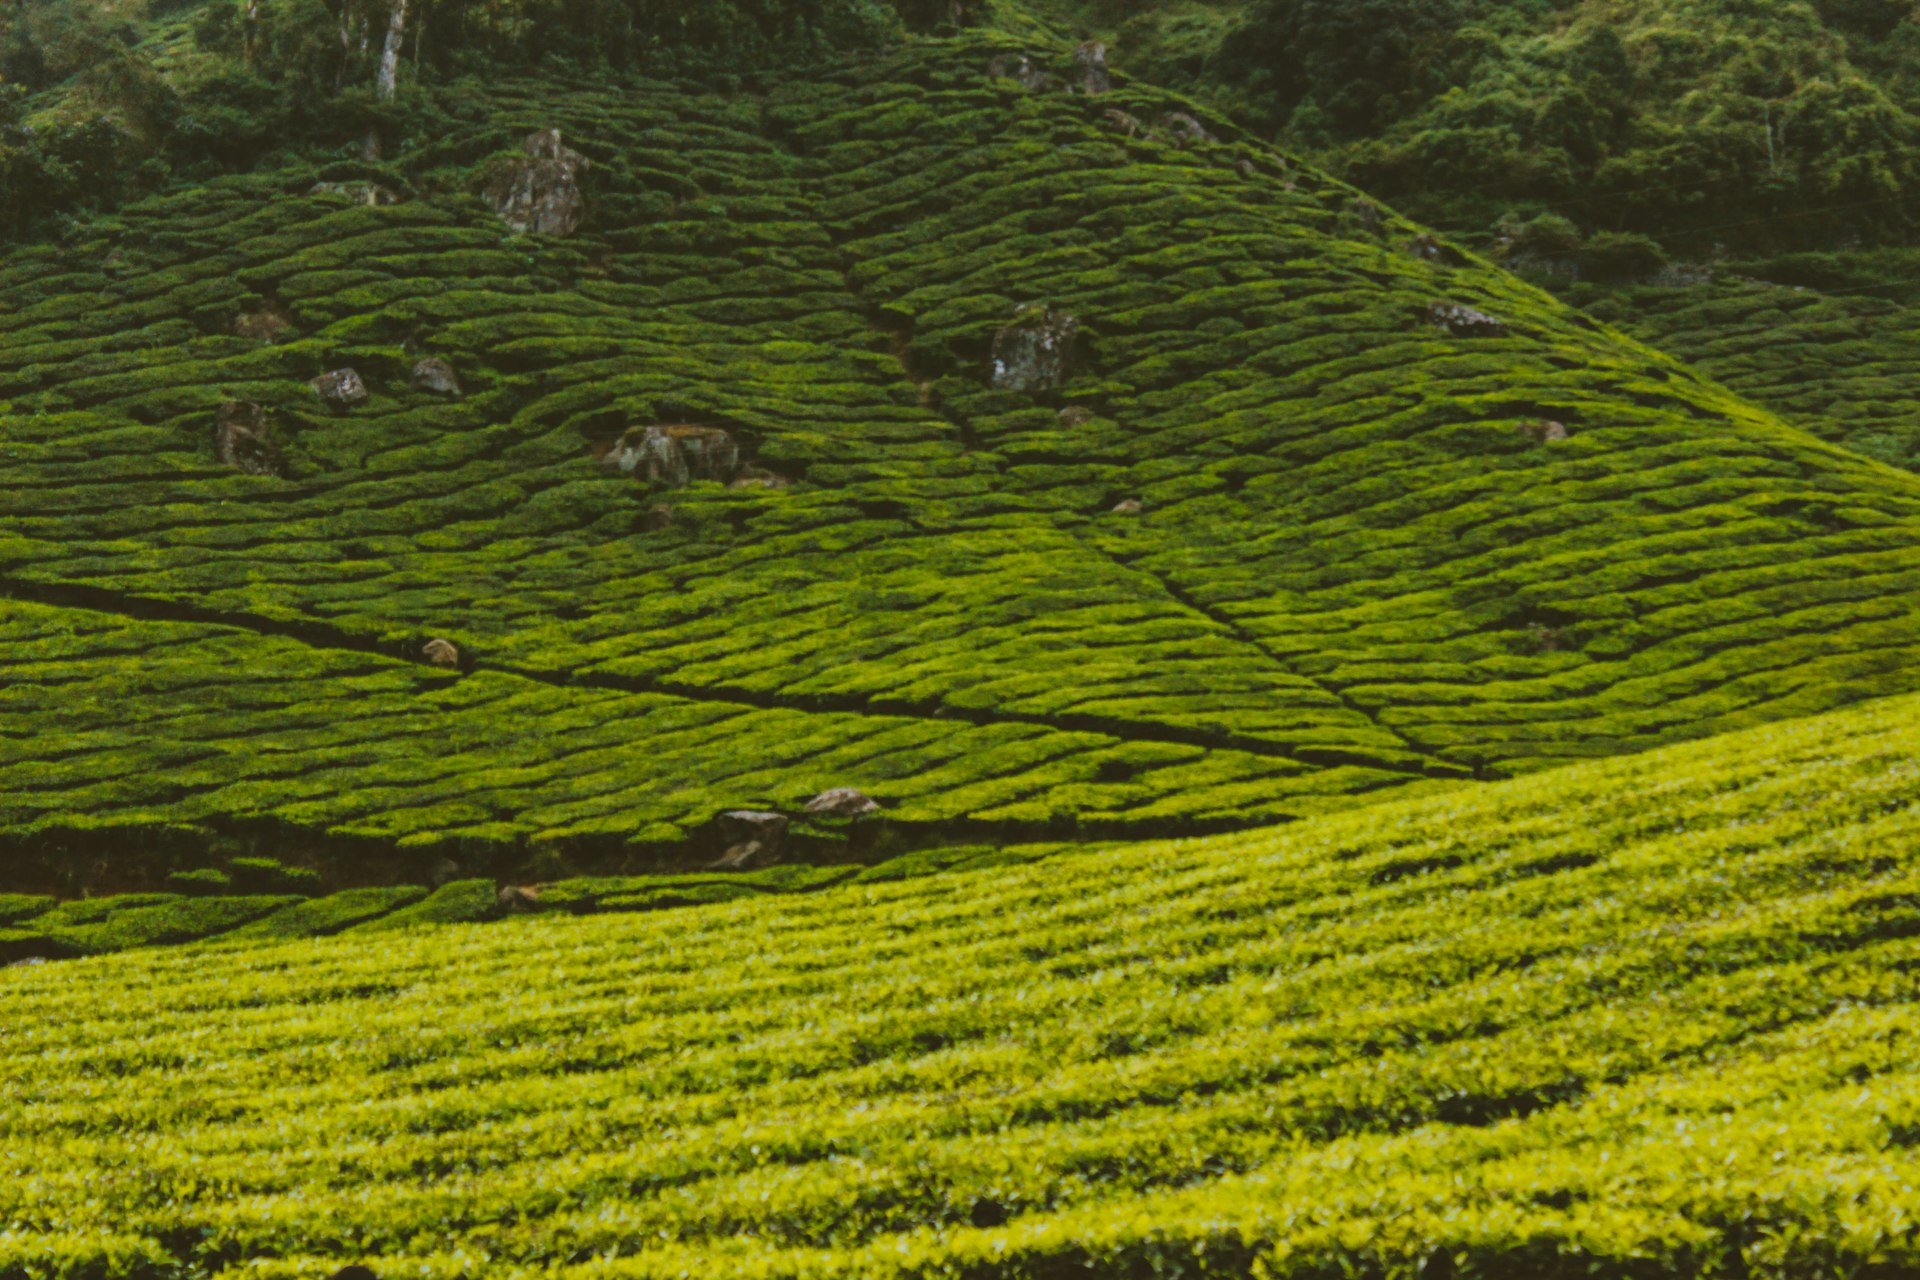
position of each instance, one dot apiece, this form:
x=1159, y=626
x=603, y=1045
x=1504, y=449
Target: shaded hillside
x=1300, y=526
x=1844, y=366
x=1643, y=1018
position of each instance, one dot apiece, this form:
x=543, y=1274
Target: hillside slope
x=1295, y=529
x=1640, y=1018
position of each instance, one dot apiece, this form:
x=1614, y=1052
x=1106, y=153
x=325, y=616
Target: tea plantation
x=1643, y=1017
x=1322, y=508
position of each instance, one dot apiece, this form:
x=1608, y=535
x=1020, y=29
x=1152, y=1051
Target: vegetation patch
x=1643, y=1016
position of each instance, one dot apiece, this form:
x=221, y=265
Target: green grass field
x=1351, y=572
x=1646, y=1017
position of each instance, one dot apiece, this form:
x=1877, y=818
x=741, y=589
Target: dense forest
x=1614, y=133
x=1594, y=134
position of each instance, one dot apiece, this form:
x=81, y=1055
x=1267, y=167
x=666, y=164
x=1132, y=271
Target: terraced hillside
x=1638, y=1018
x=1842, y=366
x=1322, y=509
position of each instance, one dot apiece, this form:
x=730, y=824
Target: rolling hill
x=1315, y=507
x=1643, y=1017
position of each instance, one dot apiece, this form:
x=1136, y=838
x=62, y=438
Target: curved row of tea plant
x=1283, y=538
x=1843, y=366
x=40, y=927
x=1648, y=1017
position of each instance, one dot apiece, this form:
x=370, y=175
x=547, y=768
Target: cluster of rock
x=1544, y=431
x=371, y=194
x=341, y=388
x=1090, y=74
x=1463, y=321
x=1034, y=353
x=243, y=434
x=243, y=439
x=755, y=838
x=678, y=454
x=538, y=191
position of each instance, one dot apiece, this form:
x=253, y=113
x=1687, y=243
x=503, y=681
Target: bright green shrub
x=1639, y=1016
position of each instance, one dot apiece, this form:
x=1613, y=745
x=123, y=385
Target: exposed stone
x=267, y=324
x=750, y=855
x=435, y=375
x=752, y=477
x=752, y=839
x=1034, y=353
x=1184, y=129
x=1368, y=215
x=1075, y=415
x=1090, y=60
x=1431, y=248
x=518, y=900
x=1124, y=123
x=441, y=653
x=737, y=826
x=1018, y=68
x=538, y=191
x=675, y=455
x=27, y=963
x=341, y=388
x=1544, y=431
x=1247, y=168
x=842, y=802
x=656, y=517
x=445, y=872
x=368, y=193
x=243, y=439
x=1128, y=507
x=1465, y=322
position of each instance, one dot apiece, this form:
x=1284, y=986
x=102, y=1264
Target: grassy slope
x=1841, y=366
x=1647, y=1017
x=1352, y=573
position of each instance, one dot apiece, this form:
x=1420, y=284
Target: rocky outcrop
x=371, y=194
x=538, y=192
x=441, y=653
x=1431, y=248
x=1018, y=68
x=518, y=900
x=243, y=439
x=341, y=388
x=1034, y=353
x=1128, y=507
x=1120, y=122
x=842, y=802
x=1075, y=415
x=1184, y=129
x=269, y=324
x=1544, y=431
x=675, y=455
x=435, y=376
x=752, y=839
x=1090, y=64
x=1463, y=321
x=752, y=477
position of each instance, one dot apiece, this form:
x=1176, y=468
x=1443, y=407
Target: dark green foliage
x=1351, y=66
x=204, y=882
x=265, y=875
x=332, y=914
x=1352, y=569
x=15, y=907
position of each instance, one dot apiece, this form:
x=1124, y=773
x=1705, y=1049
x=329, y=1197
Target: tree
x=1363, y=62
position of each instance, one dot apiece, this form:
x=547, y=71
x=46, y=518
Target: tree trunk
x=389, y=80
x=390, y=56
x=250, y=20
